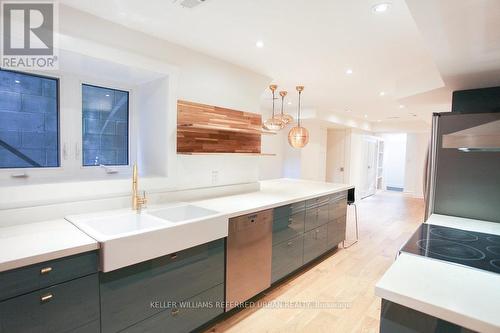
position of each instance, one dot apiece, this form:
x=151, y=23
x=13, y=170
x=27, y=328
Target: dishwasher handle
x=251, y=223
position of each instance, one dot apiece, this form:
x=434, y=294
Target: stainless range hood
x=484, y=137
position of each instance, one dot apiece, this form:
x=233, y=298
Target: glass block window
x=29, y=121
x=105, y=126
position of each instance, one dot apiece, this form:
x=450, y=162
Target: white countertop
x=32, y=243
x=28, y=244
x=464, y=224
x=273, y=193
x=465, y=296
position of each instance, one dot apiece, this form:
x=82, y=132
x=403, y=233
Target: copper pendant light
x=285, y=118
x=298, y=137
x=274, y=123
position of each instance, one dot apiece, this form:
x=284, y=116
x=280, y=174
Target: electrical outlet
x=215, y=177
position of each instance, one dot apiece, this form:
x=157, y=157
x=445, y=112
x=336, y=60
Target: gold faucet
x=138, y=201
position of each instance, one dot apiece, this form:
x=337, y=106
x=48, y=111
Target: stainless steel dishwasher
x=249, y=255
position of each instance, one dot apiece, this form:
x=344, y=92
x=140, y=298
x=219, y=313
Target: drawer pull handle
x=45, y=270
x=46, y=298
x=173, y=256
x=175, y=312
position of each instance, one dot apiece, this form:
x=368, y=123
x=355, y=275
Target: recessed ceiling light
x=382, y=93
x=289, y=103
x=381, y=7
x=366, y=116
x=107, y=95
x=401, y=106
x=348, y=71
x=259, y=44
x=17, y=81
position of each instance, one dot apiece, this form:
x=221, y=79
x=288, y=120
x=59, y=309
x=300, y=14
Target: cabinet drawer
x=314, y=243
x=126, y=294
x=338, y=207
x=26, y=279
x=286, y=228
x=288, y=210
x=187, y=316
x=317, y=201
x=67, y=307
x=323, y=214
x=336, y=232
x=316, y=216
x=338, y=195
x=287, y=257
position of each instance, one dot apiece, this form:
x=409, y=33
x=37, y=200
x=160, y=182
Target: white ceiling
x=464, y=39
x=314, y=42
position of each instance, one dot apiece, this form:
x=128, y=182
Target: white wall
x=416, y=150
x=200, y=78
x=271, y=167
x=394, y=159
x=313, y=156
x=191, y=76
x=308, y=162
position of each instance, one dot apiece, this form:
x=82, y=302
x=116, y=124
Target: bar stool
x=352, y=202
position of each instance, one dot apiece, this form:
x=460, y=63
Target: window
x=29, y=121
x=105, y=126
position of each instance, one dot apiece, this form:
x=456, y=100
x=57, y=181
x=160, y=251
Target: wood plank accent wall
x=210, y=129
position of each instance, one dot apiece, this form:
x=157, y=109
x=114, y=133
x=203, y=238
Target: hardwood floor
x=347, y=277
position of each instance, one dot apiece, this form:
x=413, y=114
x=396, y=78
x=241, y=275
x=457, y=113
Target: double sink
x=127, y=237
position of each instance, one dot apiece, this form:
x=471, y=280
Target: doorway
x=394, y=163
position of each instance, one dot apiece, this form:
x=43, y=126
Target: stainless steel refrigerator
x=463, y=166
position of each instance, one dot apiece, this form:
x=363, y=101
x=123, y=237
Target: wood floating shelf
x=234, y=154
x=211, y=130
x=228, y=129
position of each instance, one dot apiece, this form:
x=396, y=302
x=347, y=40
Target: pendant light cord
x=273, y=105
x=298, y=120
x=282, y=101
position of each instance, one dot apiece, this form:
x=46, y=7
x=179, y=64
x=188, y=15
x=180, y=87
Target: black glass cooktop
x=473, y=249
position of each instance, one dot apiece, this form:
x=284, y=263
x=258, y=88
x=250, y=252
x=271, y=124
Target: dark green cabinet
x=336, y=227
x=287, y=210
x=314, y=243
x=286, y=227
x=26, y=279
x=306, y=231
x=396, y=318
x=337, y=205
x=184, y=316
x=336, y=231
x=69, y=306
x=287, y=257
x=127, y=294
x=317, y=211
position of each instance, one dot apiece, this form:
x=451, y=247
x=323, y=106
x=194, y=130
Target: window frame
x=58, y=114
x=70, y=136
x=97, y=172
x=129, y=125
